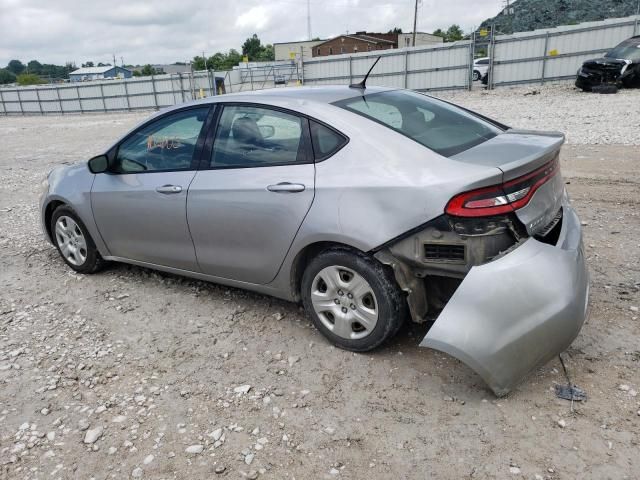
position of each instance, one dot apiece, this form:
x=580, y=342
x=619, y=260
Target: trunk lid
x=518, y=153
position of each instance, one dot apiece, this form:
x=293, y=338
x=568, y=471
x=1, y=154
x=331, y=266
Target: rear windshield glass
x=627, y=50
x=444, y=128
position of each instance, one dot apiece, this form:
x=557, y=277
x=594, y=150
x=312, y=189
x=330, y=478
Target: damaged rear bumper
x=518, y=311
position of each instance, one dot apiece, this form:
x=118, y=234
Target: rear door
x=140, y=204
x=251, y=195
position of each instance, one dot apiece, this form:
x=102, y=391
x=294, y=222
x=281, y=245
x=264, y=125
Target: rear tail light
x=504, y=198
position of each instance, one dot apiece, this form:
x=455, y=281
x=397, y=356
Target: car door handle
x=286, y=187
x=169, y=189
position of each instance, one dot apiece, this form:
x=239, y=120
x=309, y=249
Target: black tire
x=389, y=299
x=605, y=89
x=476, y=75
x=93, y=261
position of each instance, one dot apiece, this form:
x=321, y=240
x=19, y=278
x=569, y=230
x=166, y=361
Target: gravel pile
x=585, y=118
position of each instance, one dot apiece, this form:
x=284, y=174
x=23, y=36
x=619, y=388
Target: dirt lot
x=154, y=365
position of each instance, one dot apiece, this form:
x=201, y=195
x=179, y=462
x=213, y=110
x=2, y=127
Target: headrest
x=245, y=129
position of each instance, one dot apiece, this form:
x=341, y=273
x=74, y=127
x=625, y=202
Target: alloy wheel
x=71, y=241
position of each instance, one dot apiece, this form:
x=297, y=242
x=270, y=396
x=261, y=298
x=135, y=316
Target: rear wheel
x=352, y=299
x=75, y=245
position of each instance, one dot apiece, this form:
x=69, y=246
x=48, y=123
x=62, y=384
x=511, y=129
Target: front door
x=140, y=204
x=246, y=204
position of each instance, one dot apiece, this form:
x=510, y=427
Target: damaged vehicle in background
x=368, y=205
x=620, y=67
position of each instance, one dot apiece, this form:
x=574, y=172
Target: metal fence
x=442, y=67
x=154, y=92
x=528, y=57
x=554, y=54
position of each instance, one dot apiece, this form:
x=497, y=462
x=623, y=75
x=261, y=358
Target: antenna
x=363, y=84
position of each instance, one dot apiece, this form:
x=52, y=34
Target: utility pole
x=309, y=19
x=114, y=60
x=415, y=23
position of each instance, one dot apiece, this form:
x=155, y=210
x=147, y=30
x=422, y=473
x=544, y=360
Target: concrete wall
x=283, y=50
x=405, y=39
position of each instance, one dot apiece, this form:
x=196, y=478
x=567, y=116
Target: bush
x=29, y=79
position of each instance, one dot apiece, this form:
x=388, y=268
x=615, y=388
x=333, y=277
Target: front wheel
x=75, y=245
x=476, y=75
x=352, y=299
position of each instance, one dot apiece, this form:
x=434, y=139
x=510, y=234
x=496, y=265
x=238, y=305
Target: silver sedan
x=368, y=205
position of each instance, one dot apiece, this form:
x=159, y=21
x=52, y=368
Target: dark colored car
x=620, y=67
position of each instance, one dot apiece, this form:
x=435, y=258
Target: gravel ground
x=585, y=118
x=134, y=373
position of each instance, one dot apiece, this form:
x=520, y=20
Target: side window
x=257, y=137
x=325, y=141
x=166, y=144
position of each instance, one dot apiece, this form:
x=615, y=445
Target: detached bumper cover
x=517, y=312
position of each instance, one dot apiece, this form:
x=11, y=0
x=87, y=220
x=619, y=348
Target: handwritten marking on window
x=166, y=143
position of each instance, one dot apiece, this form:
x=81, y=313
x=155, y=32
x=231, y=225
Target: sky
x=166, y=31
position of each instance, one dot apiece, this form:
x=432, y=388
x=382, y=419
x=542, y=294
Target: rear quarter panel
x=379, y=186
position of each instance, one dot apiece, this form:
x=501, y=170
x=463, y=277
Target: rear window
x=444, y=128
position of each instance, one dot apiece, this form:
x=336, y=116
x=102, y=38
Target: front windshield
x=627, y=50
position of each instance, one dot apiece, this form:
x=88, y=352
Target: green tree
x=87, y=64
x=200, y=63
x=226, y=61
x=252, y=47
x=16, y=67
x=395, y=30
x=6, y=76
x=233, y=58
x=147, y=70
x=28, y=79
x=34, y=66
x=454, y=33
x=267, y=54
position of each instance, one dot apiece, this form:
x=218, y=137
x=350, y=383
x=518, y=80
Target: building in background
x=422, y=39
x=293, y=50
x=170, y=68
x=367, y=42
x=98, y=73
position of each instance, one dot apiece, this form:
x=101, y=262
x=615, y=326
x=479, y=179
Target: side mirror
x=99, y=164
x=267, y=131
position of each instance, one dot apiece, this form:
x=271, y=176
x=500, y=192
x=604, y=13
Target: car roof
x=321, y=94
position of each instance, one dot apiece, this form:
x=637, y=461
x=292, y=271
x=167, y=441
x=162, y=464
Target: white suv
x=480, y=67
